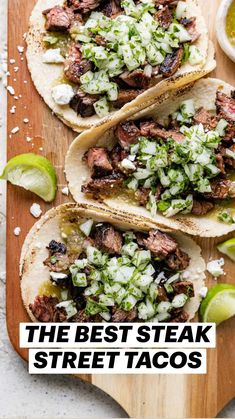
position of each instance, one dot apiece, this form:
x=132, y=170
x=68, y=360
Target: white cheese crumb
x=16, y=69
x=12, y=61
x=127, y=164
x=203, y=292
x=26, y=120
x=62, y=94
x=65, y=191
x=40, y=148
x=57, y=275
x=13, y=109
x=20, y=49
x=28, y=139
x=11, y=90
x=53, y=56
x=215, y=267
x=17, y=231
x=35, y=210
x=15, y=130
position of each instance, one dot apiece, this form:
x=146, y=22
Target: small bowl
x=221, y=34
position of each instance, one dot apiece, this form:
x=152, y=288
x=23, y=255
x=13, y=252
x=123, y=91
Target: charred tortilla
x=81, y=264
x=53, y=65
x=172, y=163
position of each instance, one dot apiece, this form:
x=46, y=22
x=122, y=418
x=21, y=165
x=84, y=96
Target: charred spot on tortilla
x=101, y=270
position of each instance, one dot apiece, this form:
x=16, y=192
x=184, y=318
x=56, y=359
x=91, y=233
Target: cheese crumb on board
x=17, y=231
x=35, y=210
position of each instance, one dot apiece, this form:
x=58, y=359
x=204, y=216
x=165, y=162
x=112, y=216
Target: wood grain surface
x=155, y=396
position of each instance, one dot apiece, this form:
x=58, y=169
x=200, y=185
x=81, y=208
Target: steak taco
x=80, y=264
x=172, y=163
x=89, y=58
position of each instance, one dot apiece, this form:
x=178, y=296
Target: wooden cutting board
x=155, y=396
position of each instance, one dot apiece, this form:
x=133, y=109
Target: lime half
x=34, y=173
x=228, y=248
x=219, y=304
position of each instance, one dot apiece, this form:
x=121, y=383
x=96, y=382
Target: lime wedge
x=219, y=304
x=228, y=248
x=34, y=173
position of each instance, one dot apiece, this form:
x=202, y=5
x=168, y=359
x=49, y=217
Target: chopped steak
x=58, y=18
x=161, y=295
x=127, y=133
x=204, y=117
x=165, y=2
x=157, y=131
x=142, y=196
x=178, y=261
x=146, y=127
x=225, y=106
x=45, y=310
x=171, y=63
x=190, y=25
x=164, y=17
x=83, y=103
x=229, y=161
x=100, y=40
x=108, y=239
x=112, y=8
x=201, y=207
x=56, y=247
x=119, y=315
x=88, y=242
x=117, y=154
x=220, y=163
x=58, y=262
x=221, y=189
x=81, y=317
x=140, y=237
x=179, y=316
x=137, y=78
x=229, y=132
x=184, y=287
x=75, y=66
x=126, y=96
x=83, y=6
x=103, y=186
x=98, y=162
x=160, y=244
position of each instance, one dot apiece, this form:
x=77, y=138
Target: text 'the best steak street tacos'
x=90, y=58
x=81, y=264
x=173, y=162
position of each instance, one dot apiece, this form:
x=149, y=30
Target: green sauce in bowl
x=230, y=23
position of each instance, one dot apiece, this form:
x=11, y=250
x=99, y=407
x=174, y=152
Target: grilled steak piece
x=127, y=133
x=201, y=207
x=221, y=189
x=225, y=106
x=83, y=104
x=205, y=118
x=119, y=315
x=178, y=261
x=45, y=310
x=190, y=25
x=98, y=162
x=229, y=132
x=160, y=244
x=171, y=63
x=137, y=78
x=142, y=196
x=179, y=315
x=117, y=154
x=104, y=186
x=229, y=161
x=146, y=127
x=75, y=66
x=112, y=8
x=157, y=131
x=220, y=163
x=164, y=17
x=58, y=262
x=81, y=317
x=126, y=96
x=140, y=237
x=83, y=6
x=162, y=295
x=100, y=40
x=165, y=2
x=58, y=18
x=184, y=287
x=108, y=239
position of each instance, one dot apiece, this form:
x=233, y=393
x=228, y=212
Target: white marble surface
x=22, y=395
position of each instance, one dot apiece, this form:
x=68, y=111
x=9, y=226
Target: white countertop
x=28, y=396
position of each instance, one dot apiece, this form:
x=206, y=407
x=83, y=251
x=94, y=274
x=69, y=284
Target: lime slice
x=228, y=248
x=219, y=304
x=34, y=173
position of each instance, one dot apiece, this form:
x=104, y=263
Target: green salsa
x=230, y=23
